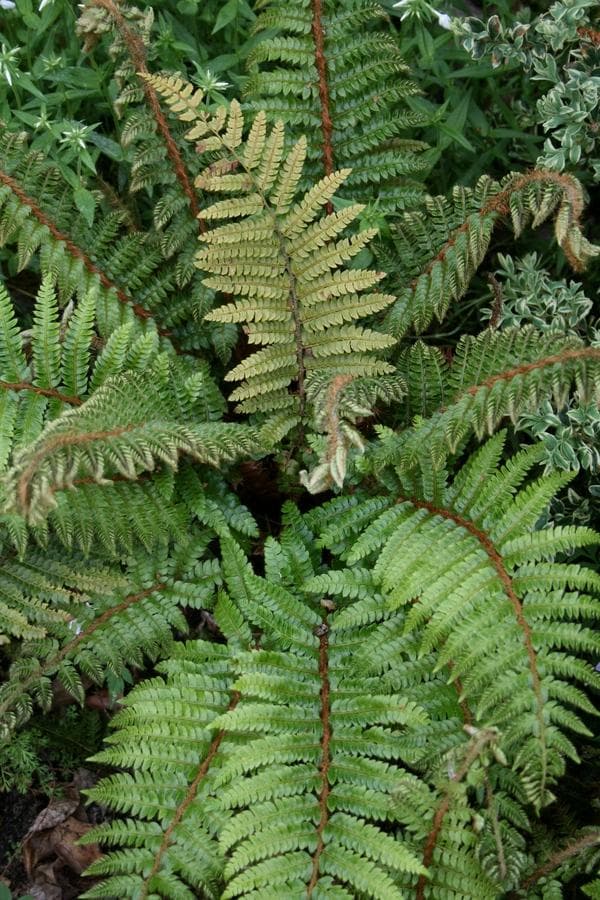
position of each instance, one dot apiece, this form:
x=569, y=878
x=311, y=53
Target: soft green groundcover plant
x=394, y=696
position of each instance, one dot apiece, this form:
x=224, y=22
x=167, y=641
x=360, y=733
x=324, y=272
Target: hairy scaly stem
x=43, y=392
x=557, y=859
x=321, y=64
x=323, y=632
x=189, y=798
x=137, y=52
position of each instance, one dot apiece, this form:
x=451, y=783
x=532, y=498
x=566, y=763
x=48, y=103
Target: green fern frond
x=451, y=563
x=440, y=248
x=111, y=622
x=493, y=376
x=333, y=73
x=299, y=760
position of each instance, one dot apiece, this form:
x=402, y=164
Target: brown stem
x=498, y=303
x=72, y=248
x=321, y=64
x=137, y=52
x=479, y=741
x=558, y=858
x=186, y=802
x=43, y=392
x=323, y=631
x=84, y=634
x=556, y=359
x=499, y=204
x=62, y=440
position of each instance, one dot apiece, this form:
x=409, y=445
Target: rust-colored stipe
x=556, y=860
x=62, y=440
x=187, y=800
x=43, y=392
x=321, y=64
x=72, y=248
x=556, y=359
x=65, y=651
x=325, y=754
x=137, y=52
x=500, y=204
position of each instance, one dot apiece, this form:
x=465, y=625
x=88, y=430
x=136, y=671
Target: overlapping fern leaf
x=267, y=766
x=75, y=417
x=463, y=558
x=439, y=249
x=334, y=73
x=493, y=376
x=38, y=215
x=284, y=263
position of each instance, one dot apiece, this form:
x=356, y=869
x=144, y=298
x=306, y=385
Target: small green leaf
x=85, y=203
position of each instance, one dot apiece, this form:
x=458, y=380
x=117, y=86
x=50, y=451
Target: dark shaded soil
x=17, y=813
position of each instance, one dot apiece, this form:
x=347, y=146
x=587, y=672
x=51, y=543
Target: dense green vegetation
x=299, y=382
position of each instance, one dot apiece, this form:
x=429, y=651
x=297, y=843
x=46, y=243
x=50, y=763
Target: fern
x=439, y=249
x=494, y=569
x=492, y=377
x=333, y=73
x=283, y=260
x=292, y=756
x=282, y=822
x=378, y=696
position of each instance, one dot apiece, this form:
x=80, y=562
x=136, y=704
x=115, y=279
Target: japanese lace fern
x=378, y=696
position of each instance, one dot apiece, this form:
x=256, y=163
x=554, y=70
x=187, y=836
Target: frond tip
x=128, y=426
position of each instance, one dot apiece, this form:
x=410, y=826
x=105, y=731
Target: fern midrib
x=294, y=305
x=72, y=645
x=137, y=52
x=444, y=805
x=73, y=249
x=72, y=400
x=187, y=800
x=64, y=440
x=321, y=64
x=325, y=752
x=562, y=856
x=556, y=359
x=498, y=564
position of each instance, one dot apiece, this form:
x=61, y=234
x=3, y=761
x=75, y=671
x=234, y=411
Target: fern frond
x=167, y=736
x=113, y=620
x=283, y=263
x=440, y=248
x=128, y=426
x=334, y=74
x=493, y=376
x=444, y=560
x=298, y=785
